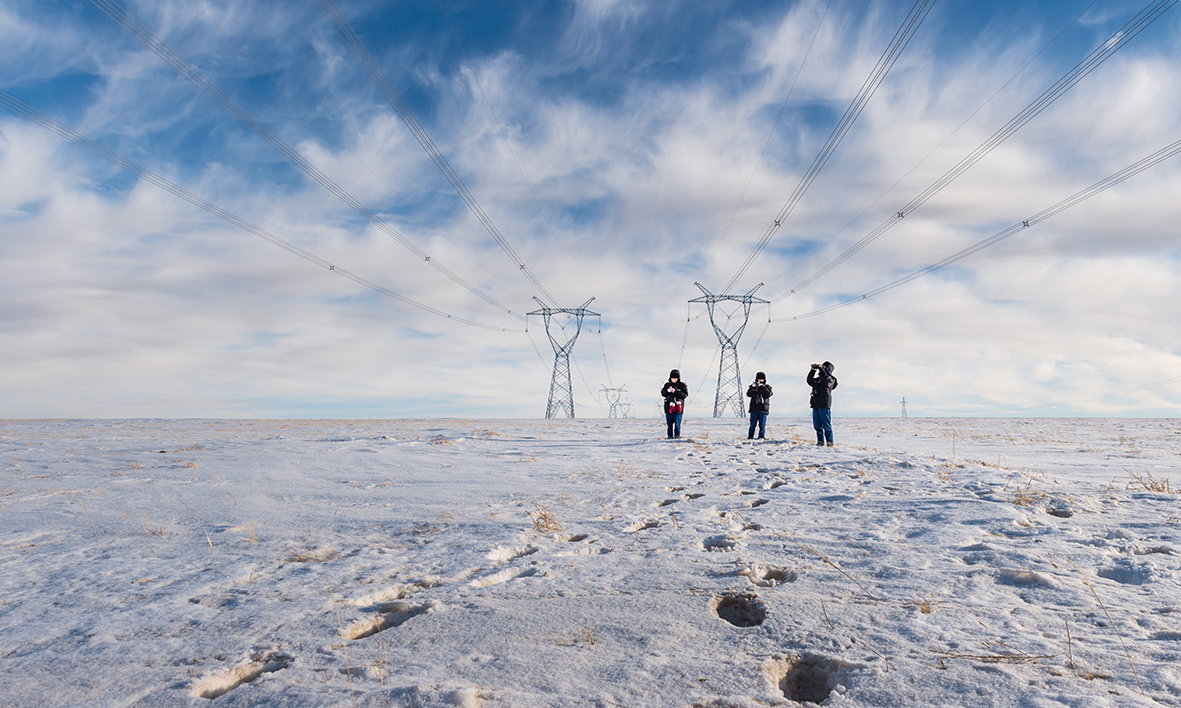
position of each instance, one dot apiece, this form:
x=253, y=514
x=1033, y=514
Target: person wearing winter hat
x=822, y=381
x=759, y=394
x=674, y=392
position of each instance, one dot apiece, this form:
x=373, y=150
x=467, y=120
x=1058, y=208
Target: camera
x=816, y=366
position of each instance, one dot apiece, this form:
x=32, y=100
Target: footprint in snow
x=695, y=495
x=643, y=525
x=667, y=502
x=768, y=576
x=257, y=665
x=392, y=614
x=758, y=502
x=740, y=609
x=507, y=553
x=807, y=677
x=503, y=576
x=720, y=543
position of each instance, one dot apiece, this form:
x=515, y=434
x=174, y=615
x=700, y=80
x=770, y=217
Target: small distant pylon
x=904, y=406
x=561, y=394
x=729, y=393
x=613, y=395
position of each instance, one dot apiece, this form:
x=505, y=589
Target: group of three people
x=820, y=378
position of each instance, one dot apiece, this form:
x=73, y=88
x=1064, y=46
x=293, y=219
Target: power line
x=891, y=188
x=902, y=37
x=1091, y=62
x=334, y=16
x=509, y=145
x=25, y=111
x=791, y=89
x=1073, y=200
x=341, y=144
x=190, y=72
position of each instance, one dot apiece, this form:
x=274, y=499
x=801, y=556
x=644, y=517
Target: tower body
x=729, y=394
x=561, y=392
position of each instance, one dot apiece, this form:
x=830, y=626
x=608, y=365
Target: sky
x=622, y=151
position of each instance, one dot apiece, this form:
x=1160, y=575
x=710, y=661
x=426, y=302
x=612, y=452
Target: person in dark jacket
x=822, y=381
x=759, y=394
x=674, y=392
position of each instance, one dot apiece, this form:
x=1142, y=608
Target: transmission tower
x=904, y=406
x=729, y=394
x=613, y=395
x=561, y=395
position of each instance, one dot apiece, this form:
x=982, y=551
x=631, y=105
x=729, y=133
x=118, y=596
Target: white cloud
x=136, y=303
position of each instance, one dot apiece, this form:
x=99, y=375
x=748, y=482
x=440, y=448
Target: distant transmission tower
x=613, y=395
x=729, y=394
x=561, y=395
x=904, y=406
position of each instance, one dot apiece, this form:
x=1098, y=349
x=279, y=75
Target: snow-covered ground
x=921, y=562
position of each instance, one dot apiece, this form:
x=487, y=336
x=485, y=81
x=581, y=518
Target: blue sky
x=612, y=144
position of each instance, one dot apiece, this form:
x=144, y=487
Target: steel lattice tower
x=561, y=394
x=904, y=406
x=729, y=393
x=613, y=395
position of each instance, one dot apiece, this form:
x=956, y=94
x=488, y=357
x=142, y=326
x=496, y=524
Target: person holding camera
x=759, y=394
x=822, y=381
x=675, y=392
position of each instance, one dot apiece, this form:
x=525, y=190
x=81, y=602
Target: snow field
x=922, y=562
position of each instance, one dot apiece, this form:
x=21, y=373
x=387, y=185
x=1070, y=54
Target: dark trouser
x=674, y=424
x=822, y=421
x=760, y=420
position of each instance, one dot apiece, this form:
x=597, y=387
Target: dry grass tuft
x=924, y=605
x=150, y=529
x=1148, y=483
x=1111, y=622
x=543, y=519
x=994, y=652
x=440, y=440
x=1027, y=496
x=584, y=634
x=1080, y=668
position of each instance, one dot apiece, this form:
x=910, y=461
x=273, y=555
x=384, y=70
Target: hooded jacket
x=760, y=395
x=674, y=392
x=822, y=382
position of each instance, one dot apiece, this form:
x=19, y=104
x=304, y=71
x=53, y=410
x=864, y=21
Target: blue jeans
x=822, y=421
x=674, y=424
x=760, y=420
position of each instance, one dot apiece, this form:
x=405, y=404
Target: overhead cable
x=1125, y=34
x=336, y=18
x=943, y=142
x=1073, y=200
x=343, y=146
x=190, y=72
x=25, y=111
x=783, y=106
x=910, y=25
x=509, y=145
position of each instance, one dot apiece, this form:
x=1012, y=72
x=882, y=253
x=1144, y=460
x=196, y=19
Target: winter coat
x=822, y=382
x=674, y=393
x=759, y=395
